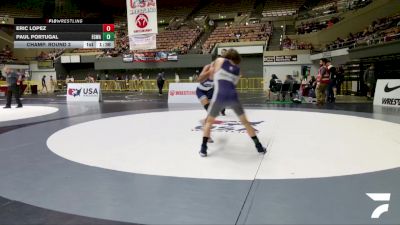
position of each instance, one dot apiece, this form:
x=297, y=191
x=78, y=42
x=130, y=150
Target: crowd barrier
x=31, y=86
x=255, y=84
x=245, y=84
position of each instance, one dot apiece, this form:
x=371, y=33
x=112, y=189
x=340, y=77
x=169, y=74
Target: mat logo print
x=228, y=126
x=379, y=197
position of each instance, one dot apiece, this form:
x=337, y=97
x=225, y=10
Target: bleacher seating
x=289, y=44
x=14, y=12
x=50, y=55
x=167, y=40
x=328, y=7
x=6, y=55
x=380, y=31
x=227, y=6
x=241, y=33
x=325, y=14
x=180, y=40
x=72, y=13
x=316, y=25
x=273, y=8
x=168, y=9
x=8, y=29
x=87, y=50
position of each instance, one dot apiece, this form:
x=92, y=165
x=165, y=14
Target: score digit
x=108, y=36
x=108, y=27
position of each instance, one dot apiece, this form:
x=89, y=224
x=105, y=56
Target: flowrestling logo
x=86, y=92
x=379, y=197
x=228, y=126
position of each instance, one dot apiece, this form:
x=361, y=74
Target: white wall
x=244, y=49
x=337, y=57
x=302, y=59
x=16, y=66
x=37, y=74
x=281, y=69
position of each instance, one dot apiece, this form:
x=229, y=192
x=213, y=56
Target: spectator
x=160, y=82
x=332, y=84
x=211, y=23
x=117, y=82
x=379, y=28
x=52, y=84
x=91, y=78
x=289, y=80
x=135, y=82
x=196, y=75
x=13, y=86
x=339, y=80
x=293, y=45
x=274, y=85
x=44, y=84
x=309, y=89
x=315, y=26
x=140, y=84
x=287, y=42
x=177, y=78
x=322, y=82
x=370, y=81
x=7, y=49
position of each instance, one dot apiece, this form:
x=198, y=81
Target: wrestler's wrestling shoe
x=203, y=151
x=261, y=149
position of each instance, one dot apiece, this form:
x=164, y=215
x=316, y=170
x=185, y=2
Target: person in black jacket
x=160, y=82
x=339, y=80
x=332, y=85
x=13, y=86
x=274, y=85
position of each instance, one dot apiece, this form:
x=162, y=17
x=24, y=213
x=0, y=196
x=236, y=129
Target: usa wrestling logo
x=228, y=126
x=74, y=92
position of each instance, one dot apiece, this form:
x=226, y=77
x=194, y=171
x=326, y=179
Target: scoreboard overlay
x=63, y=33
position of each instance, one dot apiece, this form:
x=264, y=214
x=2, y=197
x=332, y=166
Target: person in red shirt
x=323, y=81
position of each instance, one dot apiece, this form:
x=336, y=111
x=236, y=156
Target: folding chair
x=284, y=90
x=295, y=89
